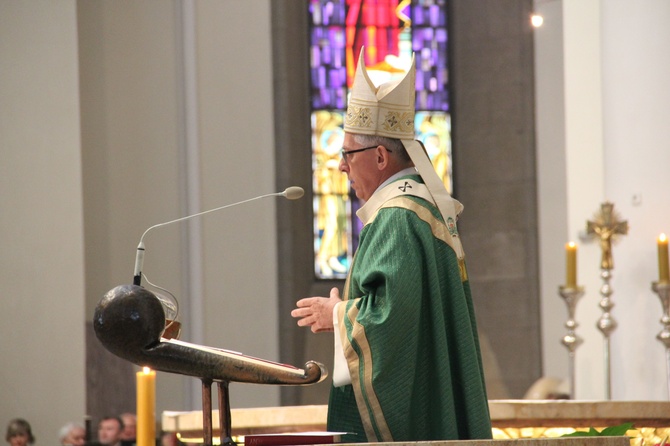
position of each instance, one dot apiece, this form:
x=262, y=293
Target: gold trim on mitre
x=387, y=110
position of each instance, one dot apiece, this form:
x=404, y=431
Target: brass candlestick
x=663, y=291
x=605, y=226
x=571, y=340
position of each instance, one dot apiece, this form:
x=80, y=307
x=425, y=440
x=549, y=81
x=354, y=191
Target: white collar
x=395, y=176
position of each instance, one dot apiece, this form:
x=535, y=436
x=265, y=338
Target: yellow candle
x=146, y=407
x=663, y=272
x=571, y=266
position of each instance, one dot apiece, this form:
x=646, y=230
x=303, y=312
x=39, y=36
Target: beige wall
x=129, y=65
x=237, y=162
x=41, y=218
x=177, y=119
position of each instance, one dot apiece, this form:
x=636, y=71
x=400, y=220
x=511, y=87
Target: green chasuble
x=408, y=330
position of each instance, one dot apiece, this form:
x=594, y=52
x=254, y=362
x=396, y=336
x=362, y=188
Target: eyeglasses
x=348, y=152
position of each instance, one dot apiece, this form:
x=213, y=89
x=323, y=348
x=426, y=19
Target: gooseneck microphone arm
x=291, y=193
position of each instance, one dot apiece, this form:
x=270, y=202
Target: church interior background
x=117, y=115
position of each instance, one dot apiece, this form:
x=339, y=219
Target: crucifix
x=605, y=226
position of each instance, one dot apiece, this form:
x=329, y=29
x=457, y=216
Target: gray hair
x=393, y=144
x=65, y=430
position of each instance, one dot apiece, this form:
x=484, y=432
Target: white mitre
x=388, y=110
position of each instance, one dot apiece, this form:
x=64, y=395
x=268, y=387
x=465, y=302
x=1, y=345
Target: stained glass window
x=390, y=31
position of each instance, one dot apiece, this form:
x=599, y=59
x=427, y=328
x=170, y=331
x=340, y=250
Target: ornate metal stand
x=606, y=324
x=663, y=291
x=606, y=226
x=571, y=340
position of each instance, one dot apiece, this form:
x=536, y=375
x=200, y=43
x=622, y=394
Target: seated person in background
x=129, y=432
x=19, y=433
x=109, y=431
x=72, y=434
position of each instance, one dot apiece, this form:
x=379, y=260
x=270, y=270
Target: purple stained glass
x=327, y=13
x=315, y=57
x=418, y=17
x=334, y=78
x=431, y=81
x=327, y=62
x=338, y=60
x=315, y=12
x=434, y=15
x=326, y=55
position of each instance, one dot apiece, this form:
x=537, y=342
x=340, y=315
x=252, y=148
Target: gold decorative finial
x=606, y=225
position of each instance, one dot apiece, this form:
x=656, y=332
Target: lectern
x=129, y=321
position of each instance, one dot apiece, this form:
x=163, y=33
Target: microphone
x=291, y=193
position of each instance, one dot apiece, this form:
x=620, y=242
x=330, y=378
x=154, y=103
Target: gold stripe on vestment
x=437, y=226
x=365, y=391
x=353, y=362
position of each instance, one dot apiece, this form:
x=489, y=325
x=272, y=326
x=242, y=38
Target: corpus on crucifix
x=605, y=226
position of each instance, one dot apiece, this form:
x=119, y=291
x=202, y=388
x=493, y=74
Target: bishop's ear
x=383, y=157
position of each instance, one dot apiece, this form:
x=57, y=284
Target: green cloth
x=409, y=335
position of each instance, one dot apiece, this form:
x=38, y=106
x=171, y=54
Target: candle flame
x=572, y=245
x=536, y=20
x=146, y=370
x=662, y=238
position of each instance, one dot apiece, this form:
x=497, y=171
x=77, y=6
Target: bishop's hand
x=317, y=312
